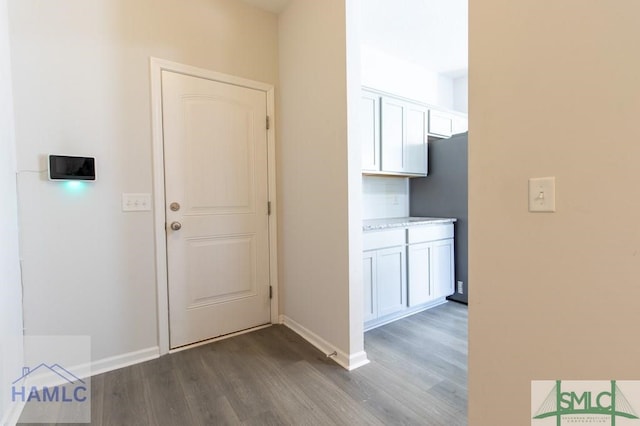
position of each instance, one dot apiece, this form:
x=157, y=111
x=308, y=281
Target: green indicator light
x=74, y=186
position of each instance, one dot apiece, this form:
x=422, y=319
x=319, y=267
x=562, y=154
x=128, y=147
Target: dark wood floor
x=417, y=376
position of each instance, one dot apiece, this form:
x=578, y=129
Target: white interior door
x=216, y=193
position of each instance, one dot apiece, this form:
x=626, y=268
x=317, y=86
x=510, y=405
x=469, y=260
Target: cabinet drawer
x=372, y=240
x=420, y=234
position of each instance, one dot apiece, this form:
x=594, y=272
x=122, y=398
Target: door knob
x=176, y=226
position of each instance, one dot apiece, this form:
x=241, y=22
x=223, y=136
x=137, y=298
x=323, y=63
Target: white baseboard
x=94, y=368
x=124, y=360
x=12, y=415
x=87, y=370
x=403, y=314
x=346, y=361
x=357, y=360
x=115, y=362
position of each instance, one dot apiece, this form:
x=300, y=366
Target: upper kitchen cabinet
x=446, y=124
x=395, y=132
x=394, y=135
x=404, y=137
x=370, y=131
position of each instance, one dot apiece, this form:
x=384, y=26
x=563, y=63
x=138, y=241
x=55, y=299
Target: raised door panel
x=370, y=131
x=391, y=280
x=393, y=135
x=419, y=274
x=369, y=285
x=442, y=261
x=415, y=150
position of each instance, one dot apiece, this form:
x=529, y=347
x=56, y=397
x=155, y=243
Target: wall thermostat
x=64, y=167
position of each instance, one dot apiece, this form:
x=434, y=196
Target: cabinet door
x=370, y=130
x=391, y=280
x=415, y=150
x=393, y=112
x=442, y=268
x=419, y=273
x=440, y=123
x=404, y=137
x=460, y=124
x=369, y=285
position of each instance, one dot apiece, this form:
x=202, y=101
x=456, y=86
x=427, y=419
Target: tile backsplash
x=384, y=197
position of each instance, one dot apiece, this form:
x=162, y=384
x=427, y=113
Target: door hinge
x=268, y=123
x=268, y=208
x=270, y=292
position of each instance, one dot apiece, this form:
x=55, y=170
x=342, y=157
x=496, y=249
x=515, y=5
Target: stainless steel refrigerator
x=444, y=193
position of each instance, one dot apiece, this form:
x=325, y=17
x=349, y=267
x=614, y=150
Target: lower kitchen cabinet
x=431, y=271
x=369, y=274
x=442, y=268
x=431, y=263
x=406, y=270
x=391, y=280
x=384, y=273
x=420, y=273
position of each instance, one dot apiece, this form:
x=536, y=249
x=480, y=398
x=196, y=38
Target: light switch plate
x=136, y=202
x=542, y=194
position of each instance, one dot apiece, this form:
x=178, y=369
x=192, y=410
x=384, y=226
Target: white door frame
x=156, y=68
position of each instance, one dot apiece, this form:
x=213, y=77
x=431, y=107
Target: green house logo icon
x=610, y=403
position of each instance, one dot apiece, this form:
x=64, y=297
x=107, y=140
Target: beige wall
x=81, y=85
x=313, y=172
x=553, y=92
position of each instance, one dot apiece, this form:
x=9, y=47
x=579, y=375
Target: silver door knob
x=176, y=226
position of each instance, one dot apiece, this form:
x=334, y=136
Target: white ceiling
x=429, y=33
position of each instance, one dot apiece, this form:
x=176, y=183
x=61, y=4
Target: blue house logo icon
x=77, y=392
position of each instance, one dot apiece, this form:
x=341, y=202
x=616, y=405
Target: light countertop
x=401, y=222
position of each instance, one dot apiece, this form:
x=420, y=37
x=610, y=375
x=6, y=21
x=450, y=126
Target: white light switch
x=136, y=202
x=542, y=194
